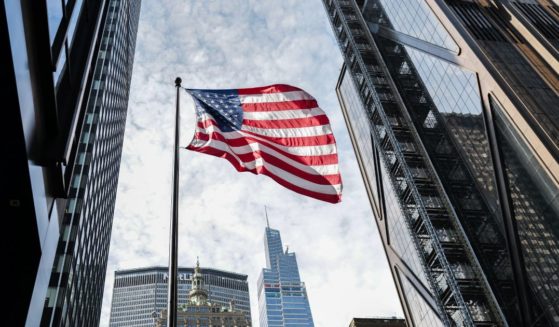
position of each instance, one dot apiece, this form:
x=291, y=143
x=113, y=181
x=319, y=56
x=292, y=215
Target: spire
x=198, y=294
x=267, y=221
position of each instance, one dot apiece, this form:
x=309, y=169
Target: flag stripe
x=249, y=156
x=279, y=106
x=291, y=141
x=258, y=166
x=307, y=156
x=290, y=132
x=288, y=123
x=269, y=89
x=283, y=114
x=298, y=141
x=320, y=196
x=309, y=164
x=280, y=132
x=275, y=97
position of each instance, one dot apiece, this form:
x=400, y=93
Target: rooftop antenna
x=267, y=221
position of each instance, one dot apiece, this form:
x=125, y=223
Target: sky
x=235, y=44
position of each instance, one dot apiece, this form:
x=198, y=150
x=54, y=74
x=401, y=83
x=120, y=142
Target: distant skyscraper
x=138, y=293
x=199, y=309
x=452, y=107
x=66, y=81
x=282, y=296
x=377, y=322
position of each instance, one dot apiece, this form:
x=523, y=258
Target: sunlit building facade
x=282, y=296
x=452, y=108
x=140, y=295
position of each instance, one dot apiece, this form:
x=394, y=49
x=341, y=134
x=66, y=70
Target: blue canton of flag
x=223, y=105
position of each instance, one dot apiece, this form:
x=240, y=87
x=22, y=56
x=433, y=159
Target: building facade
x=67, y=70
x=377, y=322
x=452, y=111
x=139, y=293
x=200, y=311
x=282, y=296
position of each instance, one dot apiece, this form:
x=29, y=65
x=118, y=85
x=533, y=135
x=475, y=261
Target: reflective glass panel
x=55, y=14
x=60, y=66
x=74, y=21
x=358, y=123
x=415, y=18
x=422, y=313
x=455, y=93
x=399, y=234
x=535, y=202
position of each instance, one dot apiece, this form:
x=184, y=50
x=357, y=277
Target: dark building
x=377, y=322
x=66, y=69
x=139, y=293
x=453, y=112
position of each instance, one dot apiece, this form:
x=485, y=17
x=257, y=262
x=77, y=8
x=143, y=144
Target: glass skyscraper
x=140, y=295
x=282, y=296
x=67, y=74
x=453, y=112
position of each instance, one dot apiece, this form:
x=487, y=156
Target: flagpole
x=174, y=236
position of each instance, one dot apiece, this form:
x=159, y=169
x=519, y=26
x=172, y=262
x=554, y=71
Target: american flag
x=276, y=130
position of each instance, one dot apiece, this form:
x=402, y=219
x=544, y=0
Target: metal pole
x=174, y=237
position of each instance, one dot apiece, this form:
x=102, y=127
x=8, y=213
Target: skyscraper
x=282, y=296
x=199, y=309
x=138, y=293
x=67, y=78
x=452, y=111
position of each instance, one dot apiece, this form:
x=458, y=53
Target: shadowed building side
x=451, y=109
x=66, y=83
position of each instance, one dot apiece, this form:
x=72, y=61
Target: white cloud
x=230, y=44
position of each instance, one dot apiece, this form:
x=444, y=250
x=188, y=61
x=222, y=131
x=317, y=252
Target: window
x=76, y=10
x=55, y=14
x=60, y=66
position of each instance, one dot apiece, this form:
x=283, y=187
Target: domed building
x=200, y=312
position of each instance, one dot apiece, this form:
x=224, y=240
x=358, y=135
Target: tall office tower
x=377, y=322
x=139, y=293
x=199, y=310
x=452, y=107
x=282, y=296
x=66, y=78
